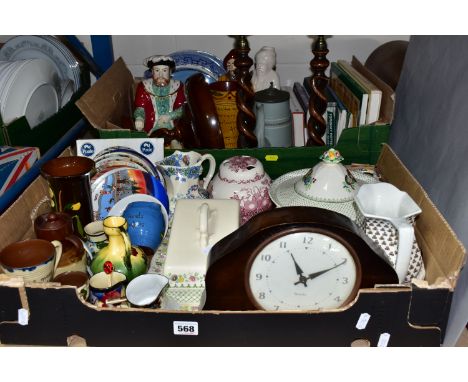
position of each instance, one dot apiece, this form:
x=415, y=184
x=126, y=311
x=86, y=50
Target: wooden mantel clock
x=293, y=258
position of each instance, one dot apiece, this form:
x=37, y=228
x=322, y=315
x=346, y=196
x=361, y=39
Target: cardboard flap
x=443, y=253
x=110, y=99
x=387, y=105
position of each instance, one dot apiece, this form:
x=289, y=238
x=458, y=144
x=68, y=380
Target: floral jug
x=131, y=261
x=182, y=171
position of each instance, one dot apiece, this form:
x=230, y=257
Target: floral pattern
x=331, y=156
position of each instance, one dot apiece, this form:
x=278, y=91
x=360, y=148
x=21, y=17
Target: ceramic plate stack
x=52, y=50
x=28, y=88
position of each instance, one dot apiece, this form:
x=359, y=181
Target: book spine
x=302, y=96
x=331, y=124
x=354, y=88
x=297, y=115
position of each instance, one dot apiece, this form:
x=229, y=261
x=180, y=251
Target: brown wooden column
x=316, y=124
x=245, y=96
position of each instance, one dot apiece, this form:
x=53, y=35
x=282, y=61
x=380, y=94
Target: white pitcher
x=182, y=171
x=384, y=201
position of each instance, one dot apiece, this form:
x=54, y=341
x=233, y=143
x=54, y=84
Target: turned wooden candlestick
x=316, y=124
x=245, y=95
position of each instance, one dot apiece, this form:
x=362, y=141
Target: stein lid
x=271, y=95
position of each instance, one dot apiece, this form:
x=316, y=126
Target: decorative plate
x=128, y=155
x=118, y=183
x=283, y=193
x=189, y=62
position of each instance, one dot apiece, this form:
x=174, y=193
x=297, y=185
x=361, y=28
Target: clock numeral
x=276, y=307
x=261, y=295
x=308, y=240
x=258, y=276
x=282, y=244
x=344, y=280
x=337, y=299
x=265, y=257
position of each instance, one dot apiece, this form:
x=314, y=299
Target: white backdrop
x=293, y=52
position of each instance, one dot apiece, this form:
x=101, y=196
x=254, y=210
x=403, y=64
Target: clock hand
x=317, y=274
x=300, y=272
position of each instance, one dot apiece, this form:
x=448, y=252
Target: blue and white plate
x=189, y=62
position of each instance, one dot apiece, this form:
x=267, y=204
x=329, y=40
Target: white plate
x=26, y=47
x=119, y=207
x=31, y=92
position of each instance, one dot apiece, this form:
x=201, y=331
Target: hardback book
x=375, y=94
x=387, y=106
x=298, y=118
x=353, y=95
x=302, y=96
x=342, y=115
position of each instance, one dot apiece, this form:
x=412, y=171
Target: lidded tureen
x=328, y=181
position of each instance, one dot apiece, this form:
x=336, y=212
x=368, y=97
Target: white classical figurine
x=264, y=73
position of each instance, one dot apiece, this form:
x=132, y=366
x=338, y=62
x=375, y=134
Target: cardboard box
x=108, y=104
x=414, y=315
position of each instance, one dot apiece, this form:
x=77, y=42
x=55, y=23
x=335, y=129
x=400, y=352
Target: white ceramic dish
x=145, y=289
x=45, y=47
x=283, y=193
x=31, y=92
x=119, y=207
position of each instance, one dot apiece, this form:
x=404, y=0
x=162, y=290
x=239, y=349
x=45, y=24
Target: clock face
x=304, y=270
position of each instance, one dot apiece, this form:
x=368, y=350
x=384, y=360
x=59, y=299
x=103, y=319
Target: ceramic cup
x=103, y=287
x=96, y=239
x=146, y=225
x=70, y=188
x=77, y=279
x=33, y=259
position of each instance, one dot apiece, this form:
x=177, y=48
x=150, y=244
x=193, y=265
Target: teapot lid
x=271, y=95
x=53, y=221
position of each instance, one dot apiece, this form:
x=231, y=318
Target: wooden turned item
x=245, y=96
x=316, y=124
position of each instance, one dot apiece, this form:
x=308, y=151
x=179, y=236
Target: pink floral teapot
x=243, y=178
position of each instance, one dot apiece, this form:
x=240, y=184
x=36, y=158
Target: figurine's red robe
x=146, y=99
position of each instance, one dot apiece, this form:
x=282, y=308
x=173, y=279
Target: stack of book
x=355, y=95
